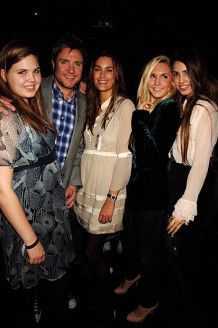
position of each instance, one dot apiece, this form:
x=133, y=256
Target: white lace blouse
x=203, y=137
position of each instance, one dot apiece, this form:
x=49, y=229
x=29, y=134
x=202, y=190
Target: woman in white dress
x=106, y=162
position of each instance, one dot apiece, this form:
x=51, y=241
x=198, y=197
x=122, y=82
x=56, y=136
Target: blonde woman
x=154, y=126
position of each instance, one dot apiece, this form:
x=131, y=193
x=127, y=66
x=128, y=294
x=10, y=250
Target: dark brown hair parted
x=32, y=113
x=93, y=96
x=204, y=88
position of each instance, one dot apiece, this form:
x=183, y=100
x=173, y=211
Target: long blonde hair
x=143, y=93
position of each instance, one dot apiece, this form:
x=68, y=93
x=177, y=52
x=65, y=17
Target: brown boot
x=125, y=285
x=140, y=313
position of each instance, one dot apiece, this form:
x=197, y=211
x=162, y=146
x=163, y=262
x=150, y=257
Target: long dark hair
x=93, y=95
x=204, y=88
x=32, y=112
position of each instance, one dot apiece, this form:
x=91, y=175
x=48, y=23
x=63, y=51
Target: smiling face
x=68, y=68
x=160, y=81
x=104, y=76
x=181, y=79
x=24, y=77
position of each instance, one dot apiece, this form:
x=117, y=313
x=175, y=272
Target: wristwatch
x=112, y=197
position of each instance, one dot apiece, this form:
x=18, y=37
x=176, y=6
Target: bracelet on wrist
x=33, y=244
x=112, y=197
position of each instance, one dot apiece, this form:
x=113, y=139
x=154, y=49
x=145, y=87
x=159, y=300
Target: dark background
x=138, y=30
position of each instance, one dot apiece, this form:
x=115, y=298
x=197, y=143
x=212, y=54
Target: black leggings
x=100, y=282
x=94, y=253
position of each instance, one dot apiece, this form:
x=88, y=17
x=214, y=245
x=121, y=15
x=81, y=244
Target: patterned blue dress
x=37, y=182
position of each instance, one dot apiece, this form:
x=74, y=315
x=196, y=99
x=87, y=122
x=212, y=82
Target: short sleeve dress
x=38, y=184
x=105, y=165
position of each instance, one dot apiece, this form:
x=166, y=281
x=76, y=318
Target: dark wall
x=136, y=33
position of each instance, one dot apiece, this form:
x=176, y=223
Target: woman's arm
x=122, y=168
x=10, y=206
x=206, y=136
x=166, y=128
x=154, y=135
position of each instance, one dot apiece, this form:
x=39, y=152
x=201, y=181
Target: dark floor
x=174, y=310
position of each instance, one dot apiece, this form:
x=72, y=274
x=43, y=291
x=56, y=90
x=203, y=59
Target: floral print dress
x=38, y=184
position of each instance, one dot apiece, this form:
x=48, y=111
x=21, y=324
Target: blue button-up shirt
x=63, y=115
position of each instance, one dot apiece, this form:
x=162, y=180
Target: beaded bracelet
x=33, y=245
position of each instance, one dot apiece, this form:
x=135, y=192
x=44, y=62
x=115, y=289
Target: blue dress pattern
x=38, y=186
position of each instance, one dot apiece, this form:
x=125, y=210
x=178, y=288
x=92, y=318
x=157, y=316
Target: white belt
x=107, y=153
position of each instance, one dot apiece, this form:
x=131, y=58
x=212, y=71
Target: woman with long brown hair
x=191, y=180
x=34, y=228
x=105, y=168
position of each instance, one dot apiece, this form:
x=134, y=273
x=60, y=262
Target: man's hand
x=174, y=225
x=70, y=193
x=6, y=106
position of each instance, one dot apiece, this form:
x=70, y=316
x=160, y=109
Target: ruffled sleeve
x=205, y=139
x=185, y=210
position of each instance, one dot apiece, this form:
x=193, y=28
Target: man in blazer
x=66, y=108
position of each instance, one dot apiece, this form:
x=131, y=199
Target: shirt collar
x=58, y=94
x=105, y=104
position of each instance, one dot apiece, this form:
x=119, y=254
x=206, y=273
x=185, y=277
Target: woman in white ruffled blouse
x=197, y=135
x=191, y=180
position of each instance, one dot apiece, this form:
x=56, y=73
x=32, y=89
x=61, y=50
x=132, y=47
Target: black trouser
x=187, y=239
x=141, y=249
x=53, y=298
x=53, y=301
x=187, y=263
